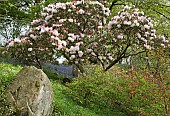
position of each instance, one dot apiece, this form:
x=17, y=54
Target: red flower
x=168, y=86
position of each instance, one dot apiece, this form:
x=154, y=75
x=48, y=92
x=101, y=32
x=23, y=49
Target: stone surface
x=31, y=93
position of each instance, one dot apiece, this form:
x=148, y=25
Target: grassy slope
x=63, y=106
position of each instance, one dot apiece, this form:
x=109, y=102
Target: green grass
x=63, y=105
x=7, y=73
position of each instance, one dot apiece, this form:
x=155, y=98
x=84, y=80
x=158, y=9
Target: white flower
x=110, y=57
x=72, y=57
x=127, y=7
x=55, y=32
x=62, y=20
x=150, y=24
x=147, y=47
x=76, y=62
x=48, y=28
x=138, y=35
x=111, y=23
x=78, y=24
x=71, y=39
x=78, y=44
x=56, y=38
x=106, y=11
x=100, y=57
x=116, y=17
x=100, y=27
x=120, y=36
x=32, y=36
x=76, y=48
x=43, y=14
x=151, y=38
x=135, y=9
x=81, y=11
x=35, y=21
x=53, y=44
x=137, y=24
x=80, y=53
x=127, y=22
x=153, y=30
x=17, y=40
x=82, y=59
x=48, y=17
x=163, y=38
x=71, y=34
x=92, y=53
x=89, y=50
x=70, y=20
x=60, y=46
x=82, y=35
x=119, y=26
x=142, y=38
x=11, y=43
x=30, y=49
x=64, y=43
x=135, y=21
x=142, y=13
x=146, y=34
x=69, y=10
x=163, y=45
x=79, y=2
x=146, y=26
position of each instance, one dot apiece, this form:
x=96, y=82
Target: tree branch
x=161, y=14
x=134, y=54
x=113, y=3
x=122, y=55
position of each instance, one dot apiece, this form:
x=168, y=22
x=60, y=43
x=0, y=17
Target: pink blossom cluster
x=131, y=24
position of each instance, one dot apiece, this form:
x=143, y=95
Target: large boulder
x=30, y=94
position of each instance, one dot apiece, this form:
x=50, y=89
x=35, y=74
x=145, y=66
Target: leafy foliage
x=7, y=74
x=134, y=92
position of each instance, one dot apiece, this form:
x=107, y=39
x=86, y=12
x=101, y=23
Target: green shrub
x=133, y=92
x=90, y=91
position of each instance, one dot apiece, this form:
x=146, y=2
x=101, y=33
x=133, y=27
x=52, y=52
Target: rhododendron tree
x=78, y=31
x=62, y=30
x=127, y=34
